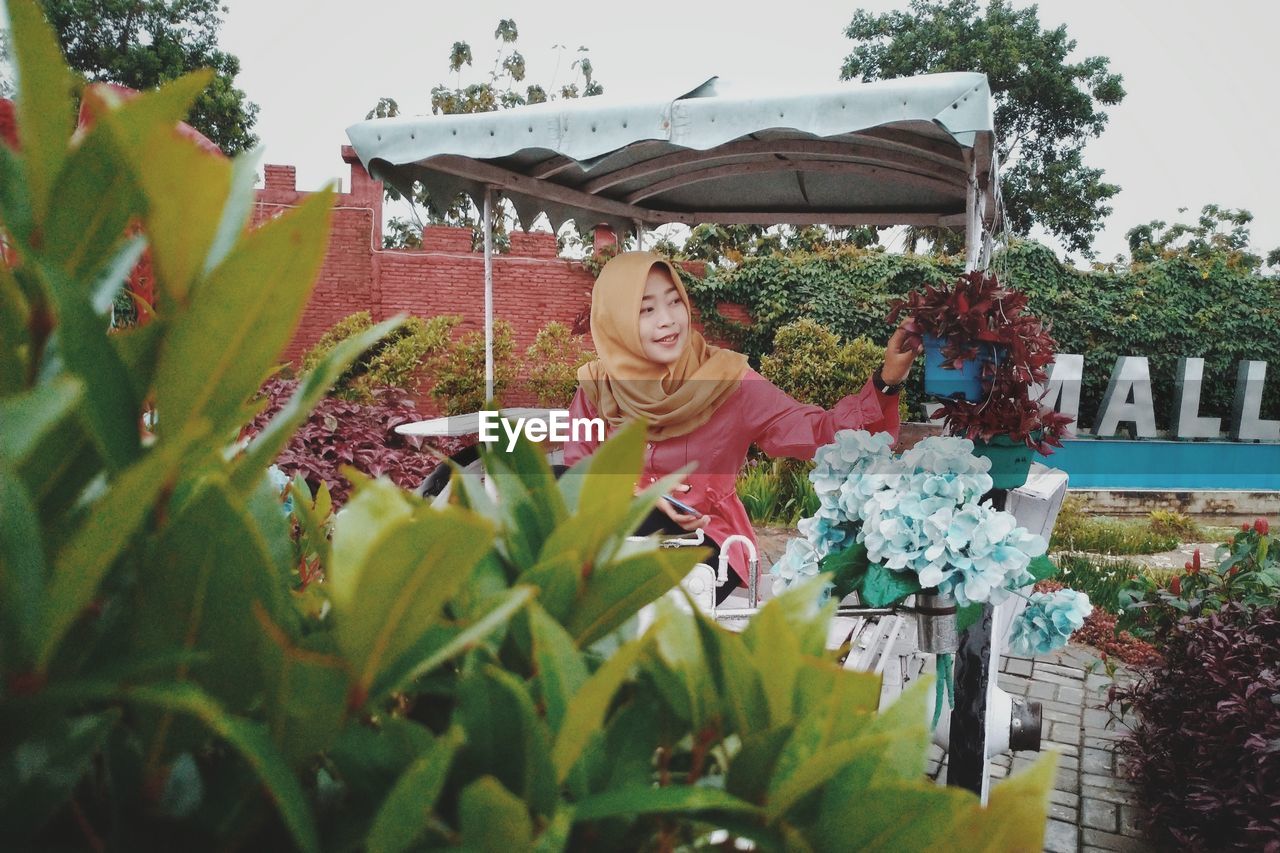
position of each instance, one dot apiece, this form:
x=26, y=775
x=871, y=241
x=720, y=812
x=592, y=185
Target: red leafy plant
x=342, y=432
x=970, y=314
x=1205, y=751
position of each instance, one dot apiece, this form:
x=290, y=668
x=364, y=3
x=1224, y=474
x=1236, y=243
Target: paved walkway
x=1092, y=805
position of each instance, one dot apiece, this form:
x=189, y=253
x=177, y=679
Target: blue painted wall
x=1120, y=464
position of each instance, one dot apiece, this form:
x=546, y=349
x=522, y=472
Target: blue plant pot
x=941, y=380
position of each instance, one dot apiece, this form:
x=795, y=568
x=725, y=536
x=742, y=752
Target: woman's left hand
x=897, y=358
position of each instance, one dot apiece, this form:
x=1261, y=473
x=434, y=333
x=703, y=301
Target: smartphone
x=680, y=505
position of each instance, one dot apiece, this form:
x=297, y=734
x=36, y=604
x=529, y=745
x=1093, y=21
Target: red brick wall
x=531, y=285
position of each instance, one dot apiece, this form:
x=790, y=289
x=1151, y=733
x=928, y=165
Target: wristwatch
x=883, y=387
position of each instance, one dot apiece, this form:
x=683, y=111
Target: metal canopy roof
x=893, y=152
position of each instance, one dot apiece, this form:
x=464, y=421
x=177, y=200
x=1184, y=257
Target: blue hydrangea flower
x=1050, y=618
x=798, y=561
x=916, y=512
x=280, y=481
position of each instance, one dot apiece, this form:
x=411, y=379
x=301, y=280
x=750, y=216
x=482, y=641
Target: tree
x=1047, y=107
x=504, y=88
x=143, y=43
x=1219, y=233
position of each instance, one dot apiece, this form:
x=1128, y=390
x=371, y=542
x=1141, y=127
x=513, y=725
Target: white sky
x=1198, y=125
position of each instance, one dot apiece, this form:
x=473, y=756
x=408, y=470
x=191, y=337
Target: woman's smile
x=664, y=318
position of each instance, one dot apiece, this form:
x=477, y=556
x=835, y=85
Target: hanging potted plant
x=957, y=325
x=996, y=351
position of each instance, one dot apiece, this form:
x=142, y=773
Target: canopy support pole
x=639, y=229
x=973, y=205
x=488, y=294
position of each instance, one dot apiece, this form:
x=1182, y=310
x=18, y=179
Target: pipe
x=753, y=566
x=488, y=294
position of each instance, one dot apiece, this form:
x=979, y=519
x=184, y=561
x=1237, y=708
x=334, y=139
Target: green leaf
x=306, y=690
x=22, y=572
x=493, y=818
x=967, y=615
x=111, y=524
x=883, y=587
x=15, y=337
x=616, y=592
x=235, y=213
x=251, y=741
x=240, y=318
x=673, y=799
x=737, y=679
x=40, y=774
x=443, y=643
x=45, y=105
x=385, y=600
x=1014, y=818
x=848, y=568
x=505, y=736
x=1042, y=567
x=560, y=670
x=268, y=443
x=108, y=406
x=29, y=416
x=97, y=198
x=894, y=816
x=199, y=588
x=788, y=628
x=587, y=710
x=406, y=810
x=182, y=225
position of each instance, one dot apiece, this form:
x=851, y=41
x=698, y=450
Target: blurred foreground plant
x=177, y=672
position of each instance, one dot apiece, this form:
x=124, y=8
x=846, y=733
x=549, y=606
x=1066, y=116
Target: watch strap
x=883, y=387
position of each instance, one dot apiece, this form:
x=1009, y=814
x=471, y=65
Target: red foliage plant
x=977, y=312
x=1205, y=752
x=340, y=432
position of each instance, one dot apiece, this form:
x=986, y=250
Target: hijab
x=623, y=384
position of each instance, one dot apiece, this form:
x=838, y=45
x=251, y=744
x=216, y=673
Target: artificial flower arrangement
x=889, y=526
x=980, y=326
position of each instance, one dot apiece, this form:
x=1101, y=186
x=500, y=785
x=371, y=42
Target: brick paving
x=1092, y=807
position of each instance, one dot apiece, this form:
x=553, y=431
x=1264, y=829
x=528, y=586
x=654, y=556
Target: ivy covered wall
x=1177, y=305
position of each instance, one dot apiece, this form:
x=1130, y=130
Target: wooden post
x=488, y=294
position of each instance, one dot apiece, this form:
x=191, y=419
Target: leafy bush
x=552, y=363
x=813, y=365
x=1247, y=573
x=340, y=433
x=1170, y=522
x=1204, y=751
x=450, y=676
x=459, y=370
x=777, y=491
x=1100, y=577
x=394, y=362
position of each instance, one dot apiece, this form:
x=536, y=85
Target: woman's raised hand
x=897, y=357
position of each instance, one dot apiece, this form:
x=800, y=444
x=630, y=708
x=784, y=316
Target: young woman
x=703, y=404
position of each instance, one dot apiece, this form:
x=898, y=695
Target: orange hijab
x=624, y=385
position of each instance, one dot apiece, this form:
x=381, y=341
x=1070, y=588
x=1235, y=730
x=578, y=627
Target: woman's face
x=664, y=321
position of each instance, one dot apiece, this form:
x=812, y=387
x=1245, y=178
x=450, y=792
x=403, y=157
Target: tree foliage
x=143, y=43
x=503, y=87
x=1047, y=104
x=1218, y=232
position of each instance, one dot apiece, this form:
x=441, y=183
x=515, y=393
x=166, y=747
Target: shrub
x=340, y=433
x=552, y=362
x=1247, y=573
x=1170, y=522
x=1204, y=750
x=395, y=362
x=459, y=370
x=813, y=365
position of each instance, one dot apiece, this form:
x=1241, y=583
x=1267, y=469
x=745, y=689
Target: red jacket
x=757, y=413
